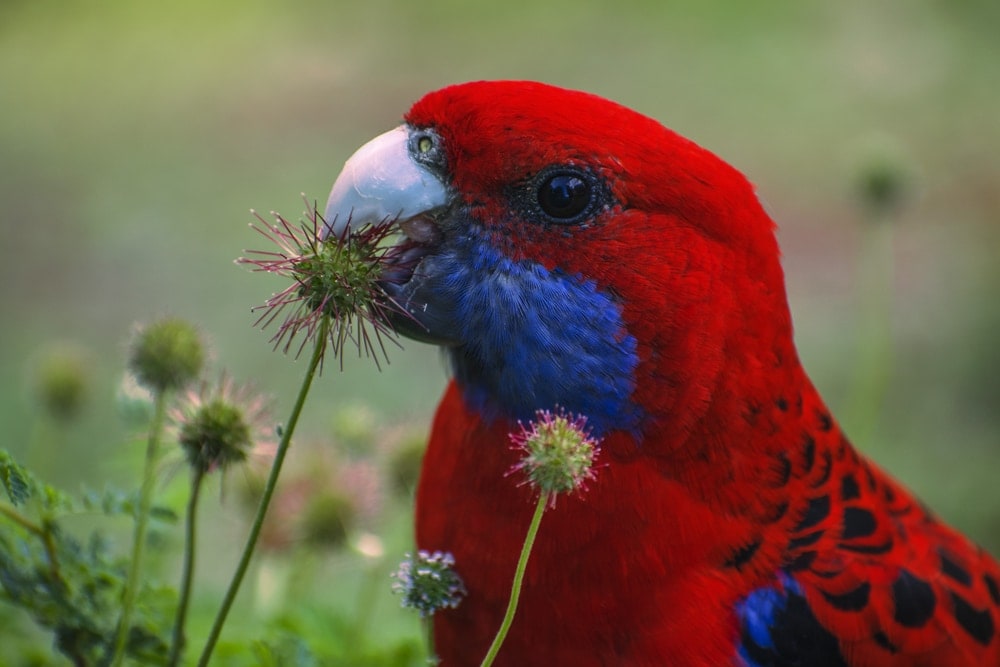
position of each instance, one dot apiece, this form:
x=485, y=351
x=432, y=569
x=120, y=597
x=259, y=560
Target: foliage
x=72, y=587
x=65, y=565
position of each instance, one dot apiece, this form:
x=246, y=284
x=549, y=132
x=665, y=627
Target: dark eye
x=564, y=196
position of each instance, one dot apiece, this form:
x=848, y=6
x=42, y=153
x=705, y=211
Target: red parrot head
x=561, y=247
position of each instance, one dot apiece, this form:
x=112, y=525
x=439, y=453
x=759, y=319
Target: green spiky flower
x=166, y=355
x=558, y=452
x=63, y=381
x=219, y=424
x=336, y=277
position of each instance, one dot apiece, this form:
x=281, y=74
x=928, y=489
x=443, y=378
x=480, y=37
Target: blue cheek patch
x=536, y=339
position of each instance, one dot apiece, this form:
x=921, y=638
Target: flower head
x=558, y=452
x=885, y=178
x=335, y=277
x=219, y=424
x=166, y=354
x=63, y=381
x=428, y=582
x=328, y=519
x=405, y=461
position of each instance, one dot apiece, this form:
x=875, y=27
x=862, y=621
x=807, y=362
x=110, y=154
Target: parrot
x=565, y=250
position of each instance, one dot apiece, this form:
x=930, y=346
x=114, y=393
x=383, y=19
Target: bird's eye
x=424, y=146
x=564, y=196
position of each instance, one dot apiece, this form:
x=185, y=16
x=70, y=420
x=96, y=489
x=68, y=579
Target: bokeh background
x=135, y=136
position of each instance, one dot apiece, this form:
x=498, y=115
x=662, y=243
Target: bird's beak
x=383, y=184
x=388, y=181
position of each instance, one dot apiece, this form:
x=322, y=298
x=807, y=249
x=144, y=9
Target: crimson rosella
x=568, y=252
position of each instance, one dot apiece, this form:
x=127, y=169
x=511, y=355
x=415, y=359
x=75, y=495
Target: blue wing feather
x=777, y=629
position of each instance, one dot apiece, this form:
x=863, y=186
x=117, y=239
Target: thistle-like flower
x=558, y=452
x=219, y=424
x=885, y=179
x=428, y=582
x=335, y=277
x=63, y=378
x=166, y=354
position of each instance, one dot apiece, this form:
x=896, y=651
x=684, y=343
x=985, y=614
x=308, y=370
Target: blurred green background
x=135, y=136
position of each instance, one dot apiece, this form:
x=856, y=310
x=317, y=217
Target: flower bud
x=428, y=582
x=166, y=355
x=328, y=519
x=354, y=427
x=62, y=381
x=558, y=452
x=217, y=426
x=405, y=462
x=884, y=178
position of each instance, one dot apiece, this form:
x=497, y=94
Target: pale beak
x=389, y=182
x=382, y=184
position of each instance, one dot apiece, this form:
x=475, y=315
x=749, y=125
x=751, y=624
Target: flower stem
x=515, y=589
x=265, y=500
x=428, y=627
x=141, y=523
x=177, y=647
x=874, y=340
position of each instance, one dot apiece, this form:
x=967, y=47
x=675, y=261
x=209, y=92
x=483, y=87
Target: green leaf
x=110, y=502
x=164, y=514
x=17, y=481
x=287, y=652
x=80, y=603
x=53, y=500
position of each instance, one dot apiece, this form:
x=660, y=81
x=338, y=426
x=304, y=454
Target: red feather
x=739, y=470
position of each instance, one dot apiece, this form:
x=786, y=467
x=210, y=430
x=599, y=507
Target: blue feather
x=778, y=629
x=536, y=339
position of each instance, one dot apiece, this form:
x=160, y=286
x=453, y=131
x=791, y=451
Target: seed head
x=167, y=354
x=885, y=178
x=428, y=582
x=63, y=381
x=328, y=519
x=355, y=427
x=218, y=425
x=405, y=462
x=557, y=452
x=335, y=277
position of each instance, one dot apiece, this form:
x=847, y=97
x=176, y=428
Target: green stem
x=265, y=500
x=371, y=586
x=515, y=589
x=48, y=539
x=874, y=346
x=177, y=647
x=21, y=520
x=141, y=523
x=428, y=627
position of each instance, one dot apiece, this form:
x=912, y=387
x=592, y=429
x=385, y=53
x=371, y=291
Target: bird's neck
x=770, y=462
x=761, y=410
